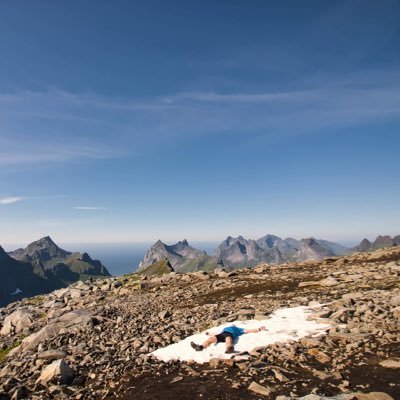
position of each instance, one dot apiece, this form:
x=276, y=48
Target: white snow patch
x=283, y=325
x=17, y=291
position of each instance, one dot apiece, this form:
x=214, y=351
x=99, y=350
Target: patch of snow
x=17, y=291
x=283, y=325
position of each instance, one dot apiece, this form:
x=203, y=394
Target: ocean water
x=124, y=258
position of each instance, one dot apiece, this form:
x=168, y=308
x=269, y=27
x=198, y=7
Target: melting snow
x=17, y=291
x=283, y=325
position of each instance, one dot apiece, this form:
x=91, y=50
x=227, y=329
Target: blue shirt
x=234, y=331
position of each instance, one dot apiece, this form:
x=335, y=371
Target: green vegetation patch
x=205, y=263
x=159, y=268
x=37, y=300
x=4, y=352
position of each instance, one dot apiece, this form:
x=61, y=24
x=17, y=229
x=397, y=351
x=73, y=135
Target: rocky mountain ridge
x=92, y=340
x=181, y=256
x=380, y=242
x=238, y=252
x=42, y=267
x=19, y=279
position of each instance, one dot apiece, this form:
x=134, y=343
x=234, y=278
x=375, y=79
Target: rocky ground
x=91, y=340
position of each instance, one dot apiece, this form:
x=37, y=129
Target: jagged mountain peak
x=45, y=255
x=45, y=243
x=46, y=239
x=268, y=241
x=311, y=249
x=380, y=242
x=3, y=254
x=310, y=241
x=180, y=255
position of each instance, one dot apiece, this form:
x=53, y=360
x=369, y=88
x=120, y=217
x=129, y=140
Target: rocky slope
x=92, y=340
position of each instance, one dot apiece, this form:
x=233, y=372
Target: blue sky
x=132, y=121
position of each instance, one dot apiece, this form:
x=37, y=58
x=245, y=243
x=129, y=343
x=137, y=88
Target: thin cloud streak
x=11, y=200
x=90, y=208
x=39, y=154
x=148, y=124
x=215, y=97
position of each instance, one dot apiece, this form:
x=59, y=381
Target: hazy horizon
x=201, y=244
x=124, y=258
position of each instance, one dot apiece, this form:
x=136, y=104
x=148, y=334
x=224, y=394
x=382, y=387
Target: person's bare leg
x=209, y=341
x=228, y=344
x=200, y=347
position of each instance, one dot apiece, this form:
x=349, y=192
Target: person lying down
x=228, y=335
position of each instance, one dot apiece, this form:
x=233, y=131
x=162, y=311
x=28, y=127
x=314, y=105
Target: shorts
x=222, y=336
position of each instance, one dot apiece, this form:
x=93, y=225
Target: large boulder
x=71, y=320
x=47, y=332
x=18, y=321
x=57, y=372
x=80, y=318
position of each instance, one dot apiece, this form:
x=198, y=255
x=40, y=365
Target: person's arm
x=254, y=330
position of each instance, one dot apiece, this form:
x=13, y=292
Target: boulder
x=395, y=301
x=390, y=364
x=164, y=314
x=259, y=389
x=69, y=320
x=396, y=312
x=352, y=297
x=309, y=283
x=75, y=293
x=57, y=372
x=330, y=281
x=18, y=321
x=319, y=355
x=61, y=292
x=47, y=332
x=75, y=318
x=51, y=354
x=372, y=396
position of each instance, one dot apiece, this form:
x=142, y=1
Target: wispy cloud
x=61, y=127
x=40, y=153
x=90, y=208
x=215, y=97
x=11, y=200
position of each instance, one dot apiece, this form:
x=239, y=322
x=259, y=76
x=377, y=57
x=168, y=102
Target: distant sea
x=124, y=258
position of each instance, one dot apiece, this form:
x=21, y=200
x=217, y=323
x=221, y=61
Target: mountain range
x=379, y=243
x=42, y=267
x=239, y=252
